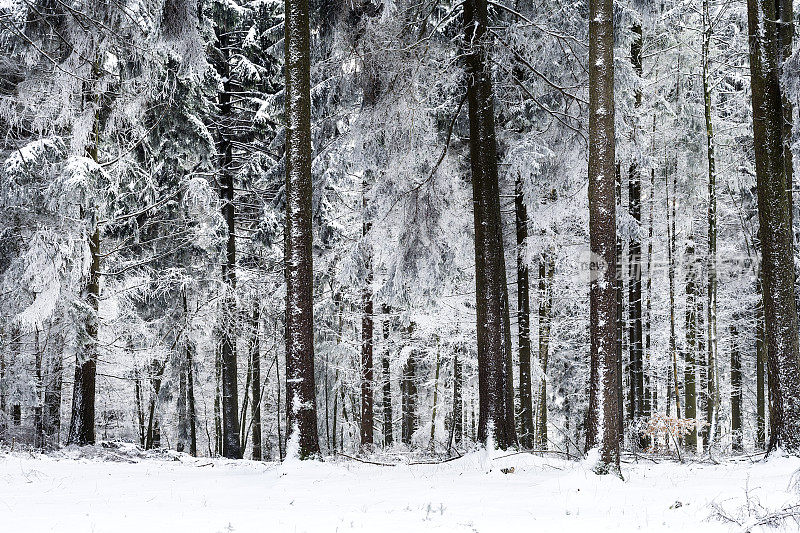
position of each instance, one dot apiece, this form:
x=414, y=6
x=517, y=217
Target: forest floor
x=122, y=489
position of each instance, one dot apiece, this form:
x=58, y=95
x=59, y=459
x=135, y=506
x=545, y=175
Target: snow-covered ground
x=123, y=490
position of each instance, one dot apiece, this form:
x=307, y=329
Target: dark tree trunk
x=494, y=345
x=635, y=343
x=300, y=391
x=689, y=372
x=255, y=355
x=183, y=422
x=736, y=389
x=52, y=397
x=408, y=392
x=546, y=272
x=619, y=289
x=780, y=313
x=602, y=428
x=218, y=402
x=388, y=436
x=192, y=413
x=81, y=427
x=38, y=422
x=761, y=367
x=523, y=319
x=367, y=377
x=231, y=446
x=153, y=436
x=458, y=402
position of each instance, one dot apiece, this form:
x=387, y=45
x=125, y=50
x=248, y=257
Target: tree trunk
x=183, y=423
x=494, y=345
x=388, y=434
x=458, y=403
x=635, y=341
x=38, y=422
x=689, y=371
x=761, y=366
x=52, y=397
x=711, y=291
x=602, y=428
x=81, y=427
x=367, y=377
x=408, y=391
x=255, y=358
x=432, y=445
x=673, y=349
x=780, y=313
x=301, y=412
x=546, y=272
x=736, y=390
x=192, y=413
x=231, y=444
x=523, y=319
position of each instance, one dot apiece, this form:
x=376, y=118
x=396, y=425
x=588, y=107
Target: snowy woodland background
x=149, y=135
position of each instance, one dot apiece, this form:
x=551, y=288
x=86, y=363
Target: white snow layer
x=170, y=492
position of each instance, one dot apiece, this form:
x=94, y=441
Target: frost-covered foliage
x=125, y=116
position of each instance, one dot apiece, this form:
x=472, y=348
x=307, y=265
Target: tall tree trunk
x=785, y=36
x=367, y=305
x=494, y=345
x=780, y=313
x=388, y=434
x=231, y=444
x=301, y=412
x=38, y=422
x=602, y=428
x=458, y=402
x=408, y=391
x=523, y=318
x=546, y=272
x=183, y=422
x=52, y=395
x=673, y=349
x=81, y=427
x=689, y=371
x=635, y=257
x=736, y=389
x=711, y=291
x=432, y=445
x=761, y=366
x=190, y=403
x=255, y=357
x=619, y=289
x=650, y=392
x=153, y=435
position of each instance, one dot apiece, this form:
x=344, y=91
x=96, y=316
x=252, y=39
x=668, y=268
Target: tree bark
x=408, y=391
x=546, y=273
x=736, y=390
x=780, y=312
x=255, y=354
x=523, y=319
x=388, y=434
x=81, y=427
x=496, y=417
x=711, y=291
x=690, y=359
x=52, y=397
x=603, y=424
x=367, y=373
x=761, y=366
x=301, y=412
x=635, y=343
x=231, y=444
